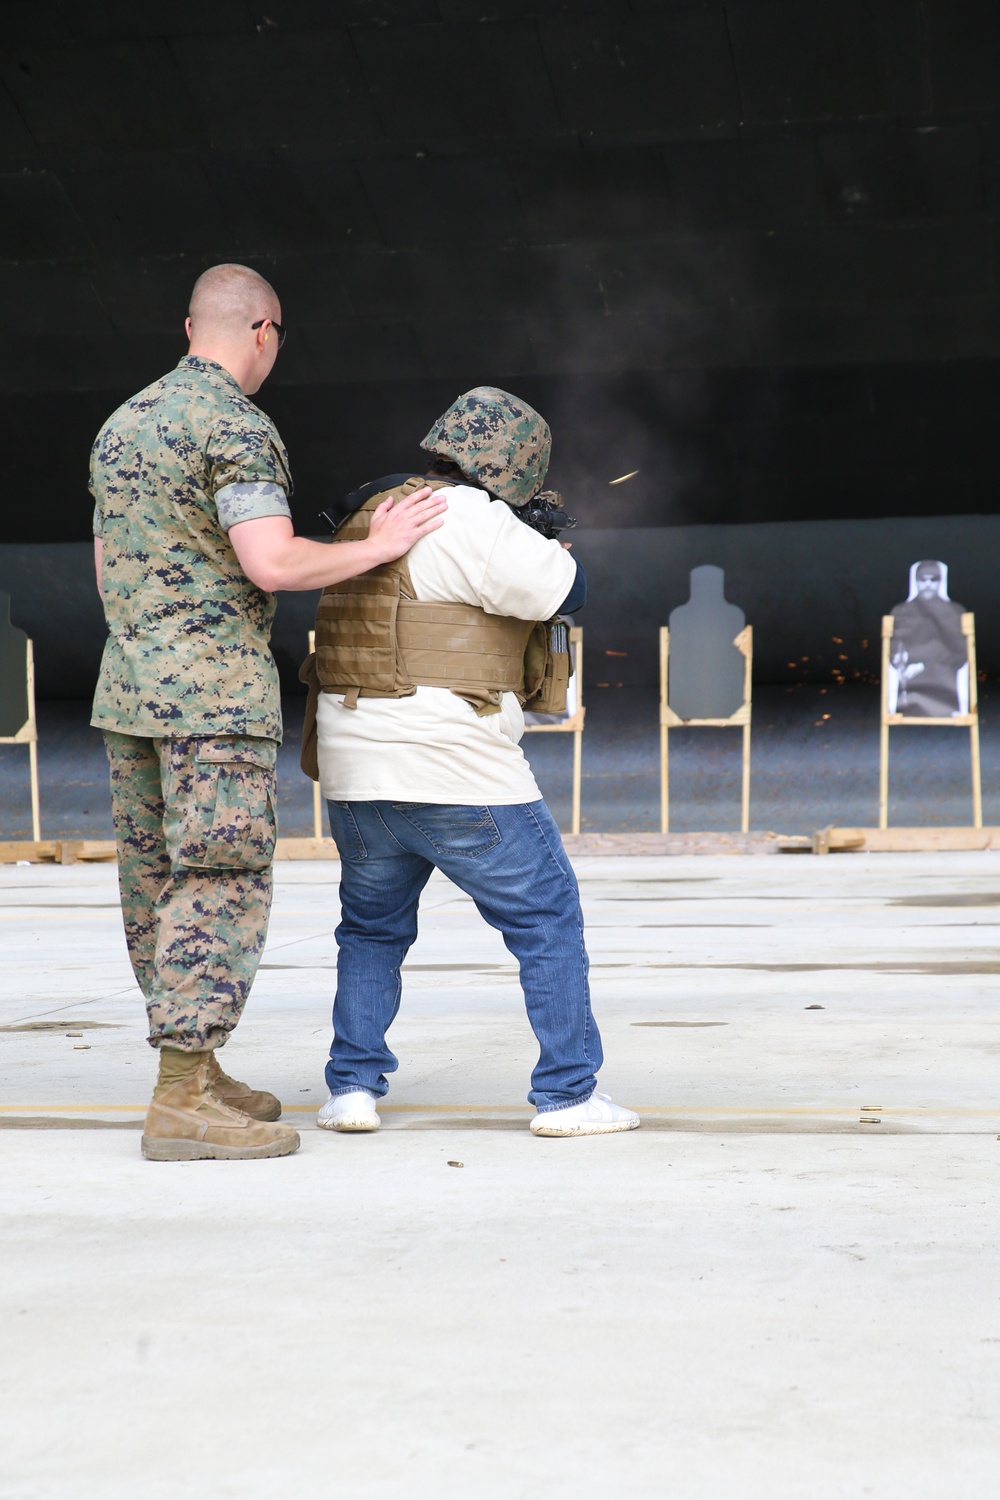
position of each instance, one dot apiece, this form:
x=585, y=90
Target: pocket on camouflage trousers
x=229, y=822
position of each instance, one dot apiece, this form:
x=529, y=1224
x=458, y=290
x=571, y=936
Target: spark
x=622, y=477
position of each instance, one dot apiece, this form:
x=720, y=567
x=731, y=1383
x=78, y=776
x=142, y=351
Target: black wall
x=748, y=248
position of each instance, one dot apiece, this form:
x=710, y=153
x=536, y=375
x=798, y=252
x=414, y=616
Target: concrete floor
x=758, y=1294
x=814, y=762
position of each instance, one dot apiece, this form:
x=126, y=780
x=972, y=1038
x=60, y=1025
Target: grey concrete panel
x=515, y=281
x=880, y=445
x=482, y=10
x=148, y=295
x=421, y=201
x=461, y=348
x=133, y=92
x=85, y=362
x=788, y=444
x=989, y=133
x=841, y=392
x=107, y=20
x=315, y=15
x=728, y=184
x=593, y=194
x=16, y=141
x=262, y=207
x=710, y=444
x=42, y=297
x=828, y=59
x=963, y=327
x=335, y=192
x=454, y=80
x=152, y=204
x=620, y=343
x=642, y=72
x=889, y=173
x=963, y=54
x=949, y=392
x=36, y=21
x=351, y=353
x=706, y=671
x=37, y=219
x=661, y=275
x=853, y=332
x=306, y=90
x=311, y=291
x=848, y=262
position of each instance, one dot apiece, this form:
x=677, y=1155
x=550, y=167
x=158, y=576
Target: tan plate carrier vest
x=375, y=640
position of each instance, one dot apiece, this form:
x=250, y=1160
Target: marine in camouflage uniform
x=188, y=694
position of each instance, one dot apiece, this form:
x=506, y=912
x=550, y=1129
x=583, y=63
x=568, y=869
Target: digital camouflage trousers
x=195, y=827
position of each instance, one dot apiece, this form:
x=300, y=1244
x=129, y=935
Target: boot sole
x=349, y=1127
x=181, y=1150
x=595, y=1129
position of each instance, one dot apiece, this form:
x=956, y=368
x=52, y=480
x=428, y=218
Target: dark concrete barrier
x=814, y=592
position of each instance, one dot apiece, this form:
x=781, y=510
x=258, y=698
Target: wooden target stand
x=573, y=724
x=739, y=720
x=968, y=721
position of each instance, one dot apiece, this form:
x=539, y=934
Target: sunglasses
x=276, y=326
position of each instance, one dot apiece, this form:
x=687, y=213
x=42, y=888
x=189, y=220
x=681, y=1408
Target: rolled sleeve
x=250, y=500
x=247, y=452
x=98, y=524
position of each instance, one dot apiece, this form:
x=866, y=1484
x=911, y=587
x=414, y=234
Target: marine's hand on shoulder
x=397, y=524
x=274, y=558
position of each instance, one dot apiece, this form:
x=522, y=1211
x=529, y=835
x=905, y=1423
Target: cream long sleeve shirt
x=432, y=747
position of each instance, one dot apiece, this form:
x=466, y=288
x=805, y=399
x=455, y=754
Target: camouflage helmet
x=497, y=440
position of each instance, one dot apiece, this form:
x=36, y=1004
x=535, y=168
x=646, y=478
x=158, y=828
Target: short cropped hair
x=229, y=298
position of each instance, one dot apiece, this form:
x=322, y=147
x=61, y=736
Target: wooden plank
x=685, y=843
x=671, y=720
x=306, y=849
x=904, y=840
x=36, y=852
x=954, y=721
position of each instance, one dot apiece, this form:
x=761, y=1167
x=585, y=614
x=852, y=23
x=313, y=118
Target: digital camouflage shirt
x=188, y=646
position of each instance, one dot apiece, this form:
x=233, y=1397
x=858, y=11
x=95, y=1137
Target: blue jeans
x=511, y=861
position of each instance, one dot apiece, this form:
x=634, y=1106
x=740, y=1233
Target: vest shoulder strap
x=357, y=525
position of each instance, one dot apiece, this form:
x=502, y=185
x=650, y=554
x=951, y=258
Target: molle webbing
x=372, y=636
x=460, y=646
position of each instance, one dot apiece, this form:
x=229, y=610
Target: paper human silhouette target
x=928, y=665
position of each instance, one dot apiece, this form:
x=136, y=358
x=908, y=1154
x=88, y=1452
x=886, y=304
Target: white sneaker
x=354, y=1111
x=597, y=1116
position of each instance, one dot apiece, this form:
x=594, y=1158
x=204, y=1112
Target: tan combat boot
x=256, y=1103
x=187, y=1122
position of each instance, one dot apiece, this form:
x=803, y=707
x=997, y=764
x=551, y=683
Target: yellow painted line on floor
x=720, y=1111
